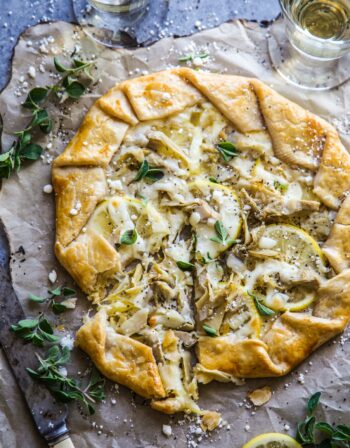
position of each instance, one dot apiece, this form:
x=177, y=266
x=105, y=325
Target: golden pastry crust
x=90, y=259
x=159, y=95
x=299, y=138
x=121, y=358
x=77, y=191
x=337, y=246
x=98, y=138
x=232, y=95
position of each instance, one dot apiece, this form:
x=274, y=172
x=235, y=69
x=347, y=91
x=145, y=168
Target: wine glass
x=112, y=22
x=311, y=51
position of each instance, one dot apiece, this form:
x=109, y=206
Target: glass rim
x=336, y=43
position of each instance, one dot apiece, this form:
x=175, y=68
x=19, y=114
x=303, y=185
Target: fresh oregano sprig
x=55, y=295
x=129, y=237
x=222, y=236
x=63, y=387
x=152, y=173
x=190, y=57
x=185, y=265
x=227, y=150
x=23, y=148
x=36, y=330
x=309, y=430
x=262, y=309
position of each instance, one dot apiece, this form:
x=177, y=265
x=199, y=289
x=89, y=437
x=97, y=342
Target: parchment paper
x=28, y=213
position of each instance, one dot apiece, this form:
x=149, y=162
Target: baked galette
x=203, y=214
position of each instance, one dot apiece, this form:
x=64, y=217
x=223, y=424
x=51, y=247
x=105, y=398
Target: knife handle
x=65, y=443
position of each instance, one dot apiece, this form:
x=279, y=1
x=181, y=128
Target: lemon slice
x=115, y=215
x=286, y=283
x=221, y=204
x=272, y=440
x=296, y=247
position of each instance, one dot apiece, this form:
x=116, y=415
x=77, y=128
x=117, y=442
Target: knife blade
x=49, y=416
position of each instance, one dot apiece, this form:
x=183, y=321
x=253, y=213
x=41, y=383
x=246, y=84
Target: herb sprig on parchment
x=54, y=301
x=51, y=370
x=52, y=373
x=68, y=86
x=310, y=431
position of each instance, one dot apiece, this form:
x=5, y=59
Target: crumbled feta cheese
x=53, y=276
x=301, y=379
x=195, y=218
x=267, y=243
x=43, y=49
x=32, y=72
x=115, y=184
x=47, y=189
x=62, y=371
x=73, y=212
x=197, y=61
x=167, y=430
x=67, y=342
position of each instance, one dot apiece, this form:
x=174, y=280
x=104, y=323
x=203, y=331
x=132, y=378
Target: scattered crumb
x=53, y=276
x=67, y=341
x=210, y=420
x=32, y=72
x=47, y=189
x=167, y=430
x=260, y=396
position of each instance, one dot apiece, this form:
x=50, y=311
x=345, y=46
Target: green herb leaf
x=65, y=388
x=280, y=187
x=31, y=152
x=190, y=57
x=24, y=139
x=67, y=292
x=154, y=174
x=35, y=97
x=36, y=299
x=58, y=308
x=305, y=431
x=227, y=150
x=341, y=433
x=59, y=66
x=214, y=180
x=146, y=171
x=185, y=266
x=222, y=236
x=55, y=292
x=143, y=170
x=210, y=331
x=129, y=237
x=75, y=89
x=324, y=427
x=312, y=403
x=262, y=309
x=25, y=324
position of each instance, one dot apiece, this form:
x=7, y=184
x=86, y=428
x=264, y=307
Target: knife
x=49, y=416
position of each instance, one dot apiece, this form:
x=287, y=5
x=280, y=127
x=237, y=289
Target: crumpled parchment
x=28, y=213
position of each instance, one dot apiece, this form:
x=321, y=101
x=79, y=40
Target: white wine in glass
x=317, y=37
x=118, y=6
x=110, y=21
